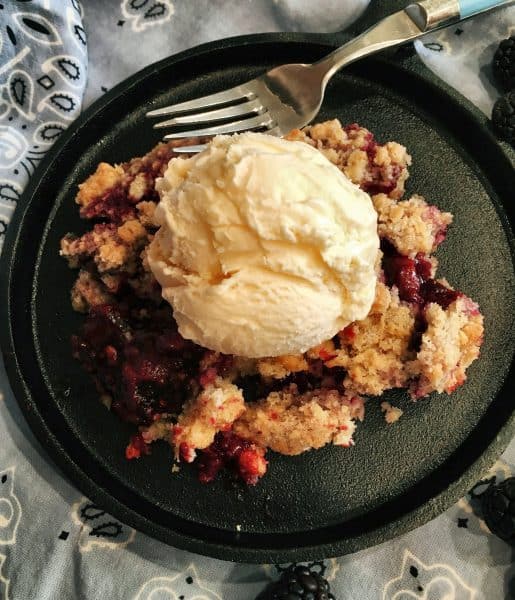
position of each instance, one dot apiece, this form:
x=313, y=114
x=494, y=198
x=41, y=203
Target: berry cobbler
x=225, y=410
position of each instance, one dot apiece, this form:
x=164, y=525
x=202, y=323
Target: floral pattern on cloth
x=82, y=551
x=187, y=584
x=146, y=13
x=417, y=580
x=99, y=529
x=43, y=64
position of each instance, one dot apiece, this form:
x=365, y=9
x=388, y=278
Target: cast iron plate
x=322, y=503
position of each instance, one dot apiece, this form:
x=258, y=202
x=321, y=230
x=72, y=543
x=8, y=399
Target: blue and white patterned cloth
x=54, y=543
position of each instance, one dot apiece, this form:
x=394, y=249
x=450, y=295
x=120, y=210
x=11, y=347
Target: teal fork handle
x=471, y=7
x=433, y=14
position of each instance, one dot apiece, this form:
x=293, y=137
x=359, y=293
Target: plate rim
x=81, y=478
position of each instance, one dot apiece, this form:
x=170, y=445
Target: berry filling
x=228, y=450
x=136, y=447
x=114, y=205
x=379, y=180
x=147, y=371
x=412, y=277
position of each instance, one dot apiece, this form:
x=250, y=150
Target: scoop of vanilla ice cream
x=264, y=248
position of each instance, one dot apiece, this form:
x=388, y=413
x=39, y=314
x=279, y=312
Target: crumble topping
x=103, y=179
x=375, y=168
x=391, y=413
x=291, y=423
x=449, y=345
x=281, y=366
x=110, y=247
x=215, y=409
x=88, y=291
x=121, y=192
x=412, y=226
x=374, y=351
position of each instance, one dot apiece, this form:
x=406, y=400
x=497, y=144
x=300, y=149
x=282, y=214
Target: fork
x=289, y=96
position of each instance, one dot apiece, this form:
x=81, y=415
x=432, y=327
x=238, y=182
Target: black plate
x=322, y=503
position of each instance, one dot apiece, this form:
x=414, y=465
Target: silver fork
x=290, y=96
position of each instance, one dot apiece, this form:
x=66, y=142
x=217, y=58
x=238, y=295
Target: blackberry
x=504, y=64
x=503, y=117
x=498, y=508
x=298, y=583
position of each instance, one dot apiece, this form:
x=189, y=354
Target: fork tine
x=231, y=95
x=190, y=149
x=254, y=106
x=275, y=131
x=263, y=120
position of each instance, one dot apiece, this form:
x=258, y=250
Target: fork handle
x=468, y=8
x=438, y=13
x=406, y=25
